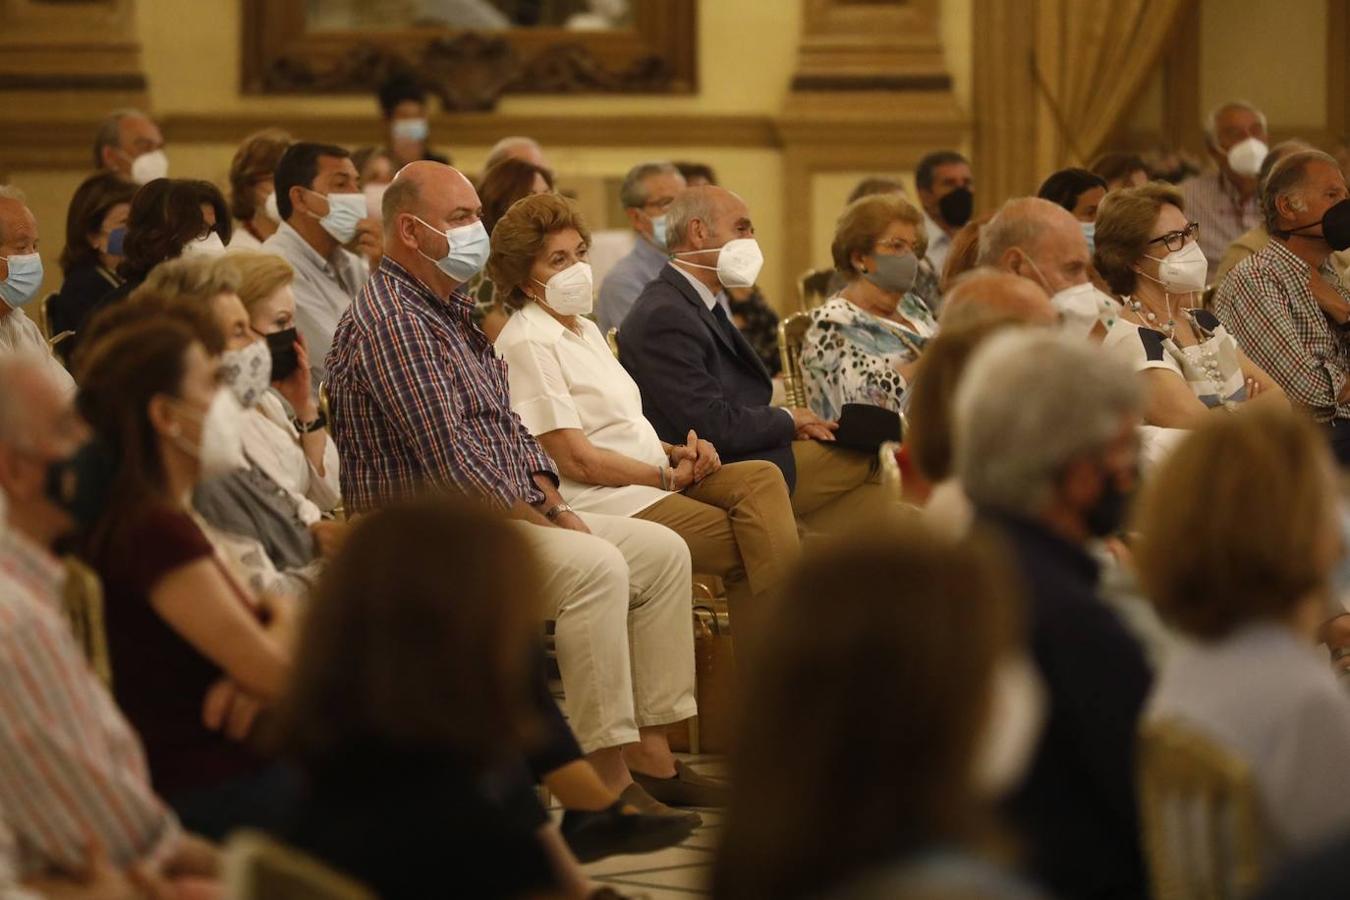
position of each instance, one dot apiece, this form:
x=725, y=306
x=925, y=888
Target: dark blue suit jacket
x=693, y=374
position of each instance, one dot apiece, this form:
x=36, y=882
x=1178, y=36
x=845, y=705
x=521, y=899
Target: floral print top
x=852, y=356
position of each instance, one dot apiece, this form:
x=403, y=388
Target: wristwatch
x=556, y=511
x=303, y=428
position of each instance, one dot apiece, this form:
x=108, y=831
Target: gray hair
x=633, y=193
x=1286, y=180
x=503, y=148
x=1212, y=120
x=109, y=132
x=688, y=206
x=1019, y=223
x=15, y=412
x=1030, y=402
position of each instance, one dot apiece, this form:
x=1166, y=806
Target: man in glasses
x=646, y=194
x=1285, y=304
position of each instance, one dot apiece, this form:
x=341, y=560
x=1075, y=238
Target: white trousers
x=621, y=597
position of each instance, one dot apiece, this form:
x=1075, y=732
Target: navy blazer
x=693, y=374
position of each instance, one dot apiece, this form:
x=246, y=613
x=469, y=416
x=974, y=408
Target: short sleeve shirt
x=1211, y=368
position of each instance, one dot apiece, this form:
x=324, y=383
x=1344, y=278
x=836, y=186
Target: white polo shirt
x=559, y=379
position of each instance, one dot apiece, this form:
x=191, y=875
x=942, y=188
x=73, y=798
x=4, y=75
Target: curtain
x=1091, y=59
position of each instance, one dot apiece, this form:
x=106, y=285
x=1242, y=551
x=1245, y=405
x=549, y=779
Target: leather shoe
x=595, y=835
x=643, y=802
x=685, y=788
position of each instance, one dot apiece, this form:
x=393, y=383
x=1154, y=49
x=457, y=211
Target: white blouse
x=1212, y=368
x=559, y=380
x=272, y=442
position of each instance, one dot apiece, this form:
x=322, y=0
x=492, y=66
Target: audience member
x=1041, y=241
x=877, y=810
x=408, y=708
x=985, y=293
x=1189, y=363
x=1045, y=442
x=1255, y=239
x=1078, y=191
x=1246, y=576
x=1225, y=202
x=128, y=143
x=403, y=104
x=647, y=192
x=75, y=782
x=516, y=147
x=586, y=412
x=964, y=251
x=695, y=370
x=95, y=230
x=420, y=403
x=1119, y=169
x=253, y=194
x=375, y=168
x=20, y=281
x=946, y=190
x=874, y=184
x=323, y=212
x=195, y=653
x=1285, y=304
x=696, y=174
x=864, y=342
x=501, y=186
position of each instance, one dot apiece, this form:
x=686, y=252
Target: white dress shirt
x=242, y=239
x=560, y=379
x=939, y=245
x=20, y=334
x=272, y=442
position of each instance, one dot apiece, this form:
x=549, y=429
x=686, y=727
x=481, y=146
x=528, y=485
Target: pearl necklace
x=1147, y=314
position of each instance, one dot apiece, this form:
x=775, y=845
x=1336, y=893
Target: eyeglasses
x=659, y=205
x=1175, y=240
x=895, y=246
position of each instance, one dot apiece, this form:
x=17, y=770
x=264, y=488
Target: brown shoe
x=686, y=788
x=645, y=803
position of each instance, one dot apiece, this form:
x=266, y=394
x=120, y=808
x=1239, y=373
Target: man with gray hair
x=1225, y=201
x=517, y=147
x=1045, y=446
x=21, y=275
x=129, y=143
x=1285, y=304
x=1254, y=239
x=646, y=194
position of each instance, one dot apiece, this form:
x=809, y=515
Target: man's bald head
x=720, y=212
x=429, y=190
x=989, y=293
x=1039, y=240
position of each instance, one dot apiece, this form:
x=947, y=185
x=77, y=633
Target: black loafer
x=609, y=832
x=685, y=788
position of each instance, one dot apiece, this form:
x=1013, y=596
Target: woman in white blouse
x=1148, y=254
x=283, y=430
x=572, y=394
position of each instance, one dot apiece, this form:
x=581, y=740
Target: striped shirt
x=1222, y=213
x=420, y=400
x=71, y=768
x=1268, y=305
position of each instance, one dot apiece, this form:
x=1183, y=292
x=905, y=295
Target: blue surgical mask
x=660, y=225
x=410, y=129
x=116, y=238
x=23, y=281
x=1090, y=234
x=467, y=250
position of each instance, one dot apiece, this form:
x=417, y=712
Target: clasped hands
x=692, y=461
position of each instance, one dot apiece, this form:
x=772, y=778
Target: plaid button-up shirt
x=420, y=401
x=1222, y=213
x=1267, y=304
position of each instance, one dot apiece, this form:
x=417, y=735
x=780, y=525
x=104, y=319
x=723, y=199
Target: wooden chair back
x=813, y=288
x=82, y=602
x=612, y=338
x=791, y=333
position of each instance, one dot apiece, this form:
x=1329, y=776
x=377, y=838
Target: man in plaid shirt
x=420, y=402
x=1285, y=304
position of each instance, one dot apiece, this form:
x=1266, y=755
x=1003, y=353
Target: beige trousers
x=836, y=488
x=624, y=636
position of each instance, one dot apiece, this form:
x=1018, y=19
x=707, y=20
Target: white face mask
x=208, y=246
x=247, y=372
x=738, y=262
x=1078, y=309
x=344, y=212
x=221, y=447
x=1182, y=271
x=1245, y=157
x=570, y=292
x=270, y=207
x=1016, y=714
x=467, y=250
x=149, y=166
x=410, y=129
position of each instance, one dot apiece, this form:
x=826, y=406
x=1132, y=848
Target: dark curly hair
x=166, y=214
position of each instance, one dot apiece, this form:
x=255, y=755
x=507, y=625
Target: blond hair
x=1125, y=222
x=260, y=276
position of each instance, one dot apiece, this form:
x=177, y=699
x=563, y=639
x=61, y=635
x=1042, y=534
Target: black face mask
x=1107, y=515
x=1335, y=227
x=79, y=484
x=284, y=358
x=957, y=206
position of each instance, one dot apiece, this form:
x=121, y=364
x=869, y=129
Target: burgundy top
x=159, y=679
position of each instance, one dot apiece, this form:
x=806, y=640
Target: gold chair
x=257, y=867
x=813, y=287
x=891, y=478
x=1202, y=828
x=45, y=322
x=791, y=331
x=82, y=602
x=612, y=338
x=324, y=406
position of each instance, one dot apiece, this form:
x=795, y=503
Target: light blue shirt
x=621, y=287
